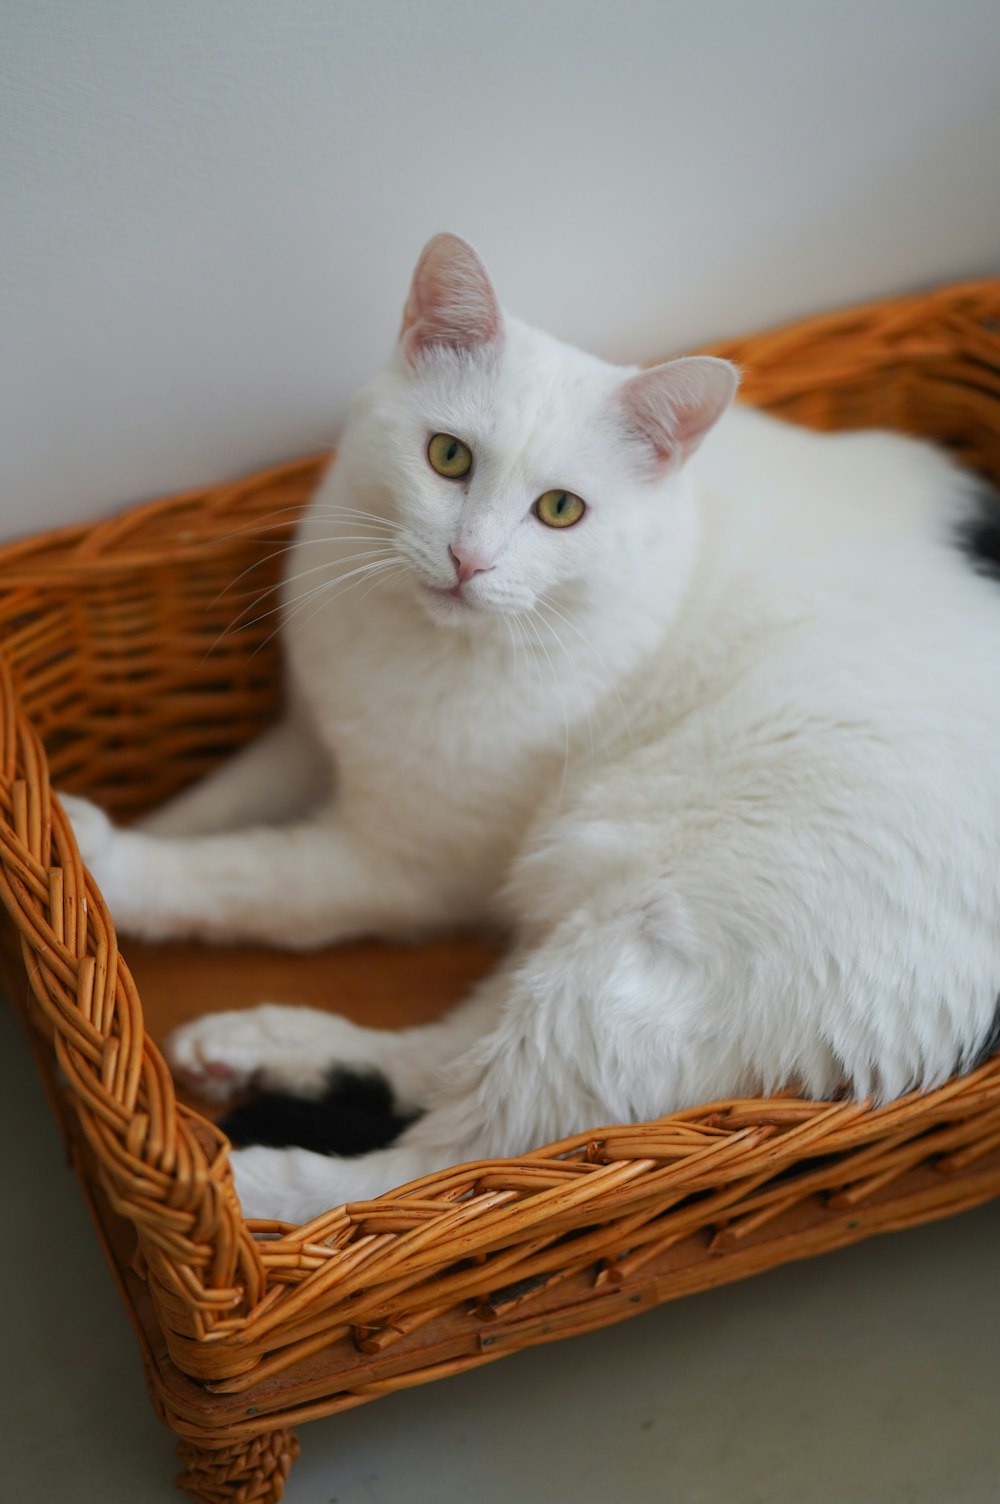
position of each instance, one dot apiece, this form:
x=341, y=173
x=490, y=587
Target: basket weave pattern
x=119, y=638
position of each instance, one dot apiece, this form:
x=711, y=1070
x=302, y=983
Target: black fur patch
x=354, y=1115
x=979, y=534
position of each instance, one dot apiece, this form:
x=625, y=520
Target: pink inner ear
x=451, y=300
x=673, y=406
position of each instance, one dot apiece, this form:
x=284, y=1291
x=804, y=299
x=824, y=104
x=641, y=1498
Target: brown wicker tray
x=121, y=676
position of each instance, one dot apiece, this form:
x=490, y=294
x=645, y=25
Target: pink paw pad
x=206, y=1078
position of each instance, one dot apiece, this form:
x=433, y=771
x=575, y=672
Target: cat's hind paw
x=271, y=1047
x=220, y=1055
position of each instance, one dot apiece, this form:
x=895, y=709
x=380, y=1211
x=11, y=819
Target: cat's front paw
x=105, y=851
x=92, y=829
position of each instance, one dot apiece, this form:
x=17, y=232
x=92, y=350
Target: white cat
x=714, y=732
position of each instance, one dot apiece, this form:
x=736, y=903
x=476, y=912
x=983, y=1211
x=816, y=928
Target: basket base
x=226, y=1458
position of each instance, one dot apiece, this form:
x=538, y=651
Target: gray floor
x=870, y=1375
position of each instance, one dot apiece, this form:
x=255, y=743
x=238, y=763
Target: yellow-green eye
x=559, y=508
x=449, y=456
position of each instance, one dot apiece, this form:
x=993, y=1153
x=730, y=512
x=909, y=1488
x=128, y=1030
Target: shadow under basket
x=118, y=638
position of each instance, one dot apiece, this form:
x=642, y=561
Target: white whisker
x=585, y=697
x=335, y=579
x=371, y=553
x=240, y=621
x=547, y=602
x=328, y=591
x=562, y=702
x=287, y=549
x=329, y=509
x=383, y=579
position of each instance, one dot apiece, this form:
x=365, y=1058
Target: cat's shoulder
x=852, y=482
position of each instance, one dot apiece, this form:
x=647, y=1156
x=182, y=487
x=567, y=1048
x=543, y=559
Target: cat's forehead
x=535, y=397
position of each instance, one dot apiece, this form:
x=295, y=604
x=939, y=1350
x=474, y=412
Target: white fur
x=722, y=758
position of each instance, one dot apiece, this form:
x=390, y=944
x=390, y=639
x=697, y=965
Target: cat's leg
x=274, y=779
x=596, y=1024
x=295, y=1051
x=298, y=886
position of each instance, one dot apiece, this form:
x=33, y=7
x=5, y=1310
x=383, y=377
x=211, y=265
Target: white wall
x=209, y=208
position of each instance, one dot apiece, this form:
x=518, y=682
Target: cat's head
x=520, y=470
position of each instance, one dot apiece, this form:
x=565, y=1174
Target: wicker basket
x=116, y=639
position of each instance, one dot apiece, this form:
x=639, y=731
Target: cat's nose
x=467, y=564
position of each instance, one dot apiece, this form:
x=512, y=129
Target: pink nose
x=466, y=564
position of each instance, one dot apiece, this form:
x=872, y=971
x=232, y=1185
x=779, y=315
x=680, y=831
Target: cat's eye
x=449, y=456
x=559, y=508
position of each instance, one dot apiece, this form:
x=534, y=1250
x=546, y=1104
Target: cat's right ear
x=451, y=302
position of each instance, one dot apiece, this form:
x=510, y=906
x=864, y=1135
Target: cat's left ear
x=451, y=302
x=670, y=408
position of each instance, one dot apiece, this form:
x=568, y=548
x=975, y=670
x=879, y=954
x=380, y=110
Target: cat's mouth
x=454, y=593
x=454, y=605
x=459, y=602
x=446, y=601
